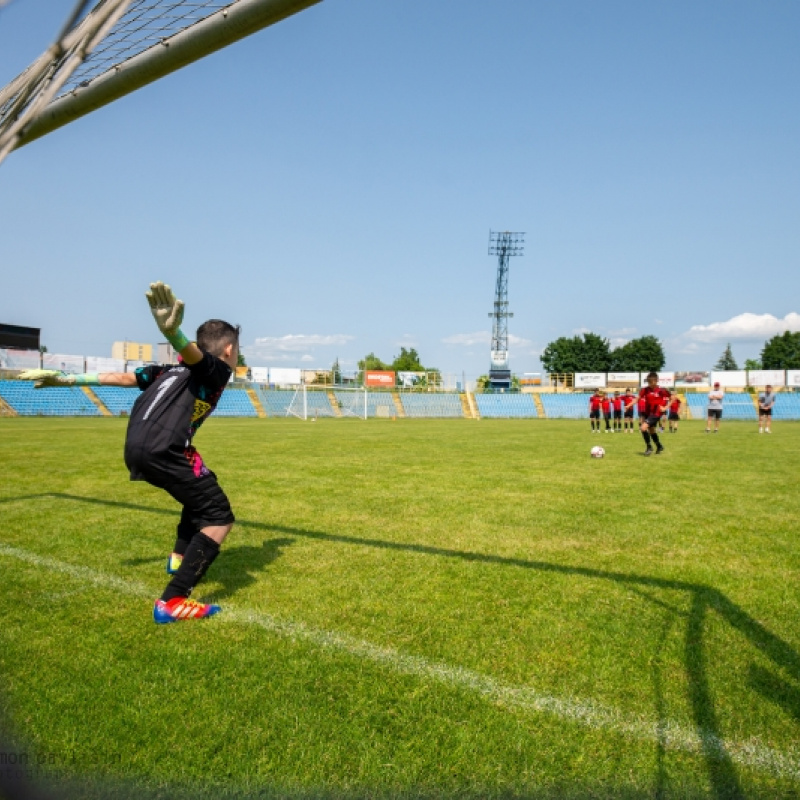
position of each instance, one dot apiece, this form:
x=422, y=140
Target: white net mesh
x=144, y=24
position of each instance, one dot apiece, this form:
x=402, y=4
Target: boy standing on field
x=715, y=398
x=674, y=413
x=766, y=401
x=605, y=404
x=616, y=402
x=594, y=409
x=628, y=402
x=655, y=399
x=174, y=403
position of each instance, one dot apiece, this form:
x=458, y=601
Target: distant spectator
x=766, y=400
x=715, y=398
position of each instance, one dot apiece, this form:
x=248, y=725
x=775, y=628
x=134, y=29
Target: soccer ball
x=597, y=452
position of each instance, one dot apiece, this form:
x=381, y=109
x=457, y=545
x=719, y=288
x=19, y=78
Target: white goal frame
x=358, y=408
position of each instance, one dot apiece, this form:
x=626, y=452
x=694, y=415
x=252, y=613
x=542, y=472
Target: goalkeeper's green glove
x=52, y=377
x=167, y=311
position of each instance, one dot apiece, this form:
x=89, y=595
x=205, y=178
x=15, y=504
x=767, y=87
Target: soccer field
x=411, y=608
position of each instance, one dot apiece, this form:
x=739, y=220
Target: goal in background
x=313, y=403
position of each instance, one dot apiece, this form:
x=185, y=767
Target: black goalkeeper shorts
x=204, y=503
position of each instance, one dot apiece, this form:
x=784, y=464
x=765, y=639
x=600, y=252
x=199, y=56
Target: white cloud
x=744, y=327
x=484, y=338
x=469, y=339
x=277, y=349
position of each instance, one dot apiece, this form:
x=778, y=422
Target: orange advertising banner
x=383, y=378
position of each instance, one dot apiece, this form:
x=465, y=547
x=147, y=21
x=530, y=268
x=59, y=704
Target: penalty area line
x=672, y=736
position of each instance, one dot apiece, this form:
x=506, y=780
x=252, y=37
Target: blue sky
x=330, y=183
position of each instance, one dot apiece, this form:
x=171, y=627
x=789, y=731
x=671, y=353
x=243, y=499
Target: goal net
x=118, y=46
x=311, y=403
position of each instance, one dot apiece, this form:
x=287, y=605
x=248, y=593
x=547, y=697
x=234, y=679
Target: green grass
x=412, y=609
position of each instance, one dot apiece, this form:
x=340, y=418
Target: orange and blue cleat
x=173, y=562
x=182, y=608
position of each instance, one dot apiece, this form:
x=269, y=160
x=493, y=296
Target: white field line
x=752, y=753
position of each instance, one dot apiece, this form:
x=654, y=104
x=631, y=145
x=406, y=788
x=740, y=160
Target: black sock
x=199, y=556
x=655, y=439
x=646, y=437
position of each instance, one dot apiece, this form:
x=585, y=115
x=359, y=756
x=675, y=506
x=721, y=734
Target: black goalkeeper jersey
x=174, y=403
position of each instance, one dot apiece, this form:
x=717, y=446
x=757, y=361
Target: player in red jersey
x=616, y=403
x=594, y=409
x=628, y=402
x=656, y=400
x=674, y=413
x=605, y=405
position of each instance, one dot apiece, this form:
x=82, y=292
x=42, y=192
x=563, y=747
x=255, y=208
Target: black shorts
x=765, y=412
x=715, y=413
x=629, y=414
x=594, y=414
x=674, y=416
x=204, y=503
x=652, y=420
x=618, y=415
x=606, y=415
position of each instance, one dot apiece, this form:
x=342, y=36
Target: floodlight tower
x=503, y=245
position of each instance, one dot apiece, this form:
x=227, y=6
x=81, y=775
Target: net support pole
x=220, y=29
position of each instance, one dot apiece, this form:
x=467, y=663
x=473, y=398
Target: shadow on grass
x=724, y=783
x=237, y=566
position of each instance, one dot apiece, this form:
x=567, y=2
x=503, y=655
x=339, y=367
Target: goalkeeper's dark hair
x=214, y=335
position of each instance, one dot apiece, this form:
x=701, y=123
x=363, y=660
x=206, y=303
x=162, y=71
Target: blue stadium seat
x=117, y=399
x=736, y=405
x=565, y=406
x=506, y=405
x=50, y=402
x=432, y=405
x=787, y=406
x=235, y=403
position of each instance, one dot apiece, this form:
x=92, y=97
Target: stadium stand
x=235, y=403
x=566, y=406
x=55, y=402
x=431, y=405
x=736, y=405
x=787, y=406
x=506, y=405
x=319, y=405
x=275, y=401
x=116, y=399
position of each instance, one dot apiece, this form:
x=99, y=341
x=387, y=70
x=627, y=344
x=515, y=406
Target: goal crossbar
x=220, y=29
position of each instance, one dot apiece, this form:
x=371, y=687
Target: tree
x=371, y=361
x=782, y=351
x=407, y=361
x=576, y=354
x=726, y=360
x=240, y=362
x=751, y=364
x=644, y=354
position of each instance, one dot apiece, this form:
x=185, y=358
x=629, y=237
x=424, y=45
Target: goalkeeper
x=175, y=401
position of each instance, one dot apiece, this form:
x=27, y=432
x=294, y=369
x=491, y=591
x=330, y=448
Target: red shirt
x=628, y=399
x=617, y=401
x=655, y=400
x=675, y=405
x=606, y=404
x=594, y=402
